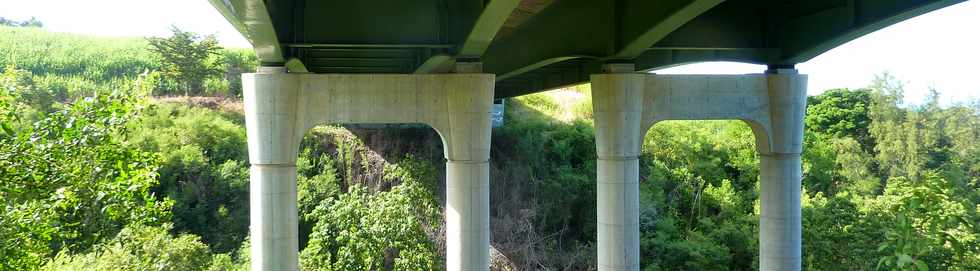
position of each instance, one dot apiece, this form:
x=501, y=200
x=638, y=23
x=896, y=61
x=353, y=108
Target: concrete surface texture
x=626, y=105
x=280, y=107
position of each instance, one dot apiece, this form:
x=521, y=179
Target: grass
x=70, y=55
x=74, y=65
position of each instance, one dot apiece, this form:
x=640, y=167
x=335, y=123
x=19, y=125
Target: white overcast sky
x=940, y=49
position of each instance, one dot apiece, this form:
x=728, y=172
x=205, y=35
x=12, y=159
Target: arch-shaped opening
x=359, y=173
x=760, y=134
x=677, y=155
x=698, y=182
x=365, y=131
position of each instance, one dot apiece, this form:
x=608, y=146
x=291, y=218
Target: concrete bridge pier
x=626, y=104
x=780, y=167
x=466, y=139
x=273, y=143
x=280, y=107
x=617, y=99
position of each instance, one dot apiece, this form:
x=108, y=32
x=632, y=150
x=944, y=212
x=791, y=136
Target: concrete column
x=467, y=143
x=780, y=223
x=617, y=108
x=273, y=143
x=779, y=220
x=467, y=215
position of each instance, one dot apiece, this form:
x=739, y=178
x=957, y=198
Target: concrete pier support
x=468, y=177
x=467, y=215
x=780, y=221
x=270, y=121
x=617, y=99
x=626, y=104
x=280, y=107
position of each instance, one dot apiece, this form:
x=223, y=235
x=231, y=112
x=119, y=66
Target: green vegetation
x=140, y=247
x=71, y=66
x=99, y=174
x=886, y=186
x=188, y=58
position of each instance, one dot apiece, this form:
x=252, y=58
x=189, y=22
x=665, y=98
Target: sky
x=938, y=50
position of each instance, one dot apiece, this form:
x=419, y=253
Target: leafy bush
x=138, y=248
x=203, y=168
x=69, y=182
x=362, y=229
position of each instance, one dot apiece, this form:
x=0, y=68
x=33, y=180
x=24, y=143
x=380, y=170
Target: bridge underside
x=536, y=45
x=442, y=62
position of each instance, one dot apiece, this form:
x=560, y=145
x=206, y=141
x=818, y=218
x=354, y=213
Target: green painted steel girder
x=852, y=19
x=535, y=45
x=603, y=30
x=484, y=30
x=486, y=27
x=251, y=18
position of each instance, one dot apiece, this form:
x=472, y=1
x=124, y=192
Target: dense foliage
x=137, y=248
x=68, y=179
x=887, y=185
x=97, y=174
x=188, y=58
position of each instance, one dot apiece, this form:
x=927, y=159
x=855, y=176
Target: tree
x=187, y=58
x=908, y=140
x=841, y=113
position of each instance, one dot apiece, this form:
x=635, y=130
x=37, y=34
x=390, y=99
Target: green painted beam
x=441, y=63
x=487, y=25
x=541, y=64
x=602, y=30
x=731, y=24
x=557, y=75
x=479, y=38
x=566, y=28
x=251, y=19
x=373, y=21
x=295, y=65
x=809, y=36
x=667, y=16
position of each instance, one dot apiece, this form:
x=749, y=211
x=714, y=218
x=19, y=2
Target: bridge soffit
x=589, y=29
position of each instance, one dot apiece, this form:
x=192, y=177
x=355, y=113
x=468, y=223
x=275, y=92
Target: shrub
x=138, y=248
x=203, y=168
x=380, y=231
x=69, y=182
